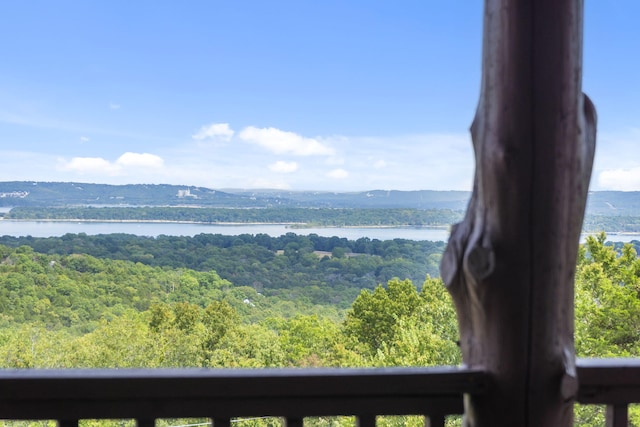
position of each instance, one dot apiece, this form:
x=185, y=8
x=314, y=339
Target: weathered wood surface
x=147, y=394
x=609, y=381
x=510, y=264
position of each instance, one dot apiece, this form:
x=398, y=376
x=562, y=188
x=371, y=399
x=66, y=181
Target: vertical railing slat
x=617, y=416
x=221, y=422
x=434, y=421
x=293, y=422
x=366, y=421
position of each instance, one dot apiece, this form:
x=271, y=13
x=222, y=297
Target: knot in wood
x=480, y=262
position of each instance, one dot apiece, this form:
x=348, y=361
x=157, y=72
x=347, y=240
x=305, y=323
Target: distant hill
x=614, y=203
x=423, y=199
x=49, y=194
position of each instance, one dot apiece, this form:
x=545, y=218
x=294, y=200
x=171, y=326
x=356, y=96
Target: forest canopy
x=76, y=301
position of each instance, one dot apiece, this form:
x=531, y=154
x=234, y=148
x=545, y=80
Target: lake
x=59, y=228
x=154, y=229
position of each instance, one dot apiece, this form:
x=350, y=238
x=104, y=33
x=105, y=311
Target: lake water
x=54, y=228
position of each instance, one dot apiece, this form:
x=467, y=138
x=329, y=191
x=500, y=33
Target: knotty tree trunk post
x=510, y=264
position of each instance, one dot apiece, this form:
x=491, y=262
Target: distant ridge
x=420, y=199
x=56, y=194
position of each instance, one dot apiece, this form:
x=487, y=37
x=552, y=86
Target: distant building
x=14, y=195
x=186, y=193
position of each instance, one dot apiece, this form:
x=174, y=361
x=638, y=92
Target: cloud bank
x=213, y=131
x=282, y=142
x=127, y=163
x=264, y=157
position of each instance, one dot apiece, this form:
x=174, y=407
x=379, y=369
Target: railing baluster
x=67, y=423
x=366, y=421
x=617, y=416
x=434, y=421
x=293, y=422
x=221, y=422
x=146, y=423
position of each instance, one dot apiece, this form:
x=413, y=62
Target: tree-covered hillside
x=79, y=310
x=319, y=269
x=300, y=216
x=66, y=308
x=48, y=194
x=297, y=217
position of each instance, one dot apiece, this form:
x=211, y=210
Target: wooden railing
x=611, y=382
x=220, y=394
x=293, y=394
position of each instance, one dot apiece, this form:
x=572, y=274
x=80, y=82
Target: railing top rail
x=155, y=393
x=159, y=393
x=609, y=381
x=81, y=383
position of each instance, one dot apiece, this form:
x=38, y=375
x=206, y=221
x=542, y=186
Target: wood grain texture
x=510, y=264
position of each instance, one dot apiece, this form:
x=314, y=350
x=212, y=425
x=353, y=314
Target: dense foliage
x=78, y=310
x=323, y=270
x=617, y=224
x=607, y=310
x=67, y=308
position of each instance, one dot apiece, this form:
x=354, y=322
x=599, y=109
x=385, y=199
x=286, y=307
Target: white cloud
x=84, y=139
x=338, y=174
x=214, y=130
x=145, y=160
x=620, y=179
x=283, y=167
x=113, y=106
x=125, y=164
x=282, y=142
x=90, y=165
x=402, y=162
x=399, y=162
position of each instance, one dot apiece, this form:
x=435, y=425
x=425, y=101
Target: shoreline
x=292, y=225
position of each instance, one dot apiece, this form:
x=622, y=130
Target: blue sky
x=302, y=95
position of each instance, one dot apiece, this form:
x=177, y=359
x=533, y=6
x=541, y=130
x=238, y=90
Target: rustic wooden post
x=510, y=264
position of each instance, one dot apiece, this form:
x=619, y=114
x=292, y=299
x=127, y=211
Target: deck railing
x=293, y=394
x=611, y=382
x=220, y=394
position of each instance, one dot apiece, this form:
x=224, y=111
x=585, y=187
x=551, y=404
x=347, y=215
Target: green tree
x=161, y=317
x=218, y=318
x=426, y=337
x=374, y=316
x=607, y=311
x=309, y=341
x=186, y=316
